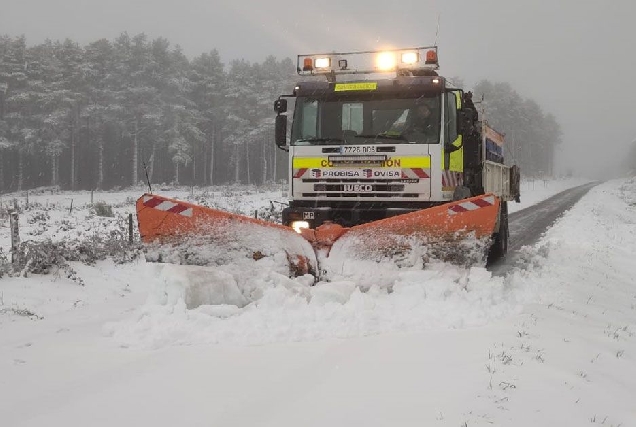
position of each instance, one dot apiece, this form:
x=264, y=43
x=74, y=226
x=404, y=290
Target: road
x=527, y=225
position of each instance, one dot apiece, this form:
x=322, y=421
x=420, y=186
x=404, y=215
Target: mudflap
x=178, y=232
x=459, y=232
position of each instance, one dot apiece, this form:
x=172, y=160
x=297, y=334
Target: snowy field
x=553, y=343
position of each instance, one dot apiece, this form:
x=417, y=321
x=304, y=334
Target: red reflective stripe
x=472, y=205
x=482, y=203
x=300, y=172
x=451, y=179
x=177, y=209
x=420, y=173
x=153, y=202
x=457, y=208
x=446, y=180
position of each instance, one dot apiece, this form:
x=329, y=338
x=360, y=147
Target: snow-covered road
x=552, y=343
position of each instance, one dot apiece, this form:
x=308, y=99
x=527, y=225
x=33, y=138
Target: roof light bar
x=385, y=61
x=368, y=62
x=322, y=63
x=431, y=57
x=308, y=64
x=410, y=57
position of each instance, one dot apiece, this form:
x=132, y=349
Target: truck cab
x=379, y=135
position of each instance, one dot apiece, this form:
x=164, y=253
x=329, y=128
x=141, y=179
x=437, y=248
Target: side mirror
x=280, y=105
x=465, y=121
x=280, y=131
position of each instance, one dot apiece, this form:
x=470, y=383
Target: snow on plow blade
x=184, y=233
x=442, y=228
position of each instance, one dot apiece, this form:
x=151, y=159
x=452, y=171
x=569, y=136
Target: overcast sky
x=574, y=57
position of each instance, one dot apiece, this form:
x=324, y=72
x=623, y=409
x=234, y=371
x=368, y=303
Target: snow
x=552, y=343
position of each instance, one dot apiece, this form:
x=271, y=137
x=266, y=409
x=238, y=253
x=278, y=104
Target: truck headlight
x=297, y=225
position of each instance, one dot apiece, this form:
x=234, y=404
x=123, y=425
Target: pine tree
x=531, y=135
x=241, y=115
x=100, y=75
x=207, y=91
x=16, y=103
x=137, y=102
x=73, y=90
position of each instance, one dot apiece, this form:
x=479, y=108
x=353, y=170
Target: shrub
x=103, y=209
x=50, y=257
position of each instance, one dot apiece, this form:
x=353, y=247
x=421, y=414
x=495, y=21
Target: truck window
x=309, y=114
x=386, y=120
x=366, y=119
x=352, y=118
x=450, y=121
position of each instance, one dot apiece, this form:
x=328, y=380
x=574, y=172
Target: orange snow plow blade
x=475, y=217
x=184, y=233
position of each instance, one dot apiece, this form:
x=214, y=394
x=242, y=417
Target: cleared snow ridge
x=255, y=304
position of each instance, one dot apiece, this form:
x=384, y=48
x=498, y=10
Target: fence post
x=130, y=228
x=15, y=236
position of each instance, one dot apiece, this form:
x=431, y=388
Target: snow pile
x=51, y=295
x=254, y=302
x=253, y=305
x=577, y=346
x=194, y=305
x=593, y=244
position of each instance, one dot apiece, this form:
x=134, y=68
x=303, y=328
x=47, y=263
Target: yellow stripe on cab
x=392, y=162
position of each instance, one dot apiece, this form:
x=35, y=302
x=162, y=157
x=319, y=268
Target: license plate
x=357, y=149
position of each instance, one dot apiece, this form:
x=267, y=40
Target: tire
x=499, y=246
x=461, y=192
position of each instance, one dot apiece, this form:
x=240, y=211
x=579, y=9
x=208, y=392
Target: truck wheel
x=461, y=192
x=499, y=245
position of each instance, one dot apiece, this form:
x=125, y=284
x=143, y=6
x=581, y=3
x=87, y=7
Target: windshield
x=366, y=121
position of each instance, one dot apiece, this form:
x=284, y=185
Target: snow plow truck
x=384, y=154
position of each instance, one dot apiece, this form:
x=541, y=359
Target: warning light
x=385, y=61
x=431, y=57
x=410, y=57
x=322, y=62
x=404, y=61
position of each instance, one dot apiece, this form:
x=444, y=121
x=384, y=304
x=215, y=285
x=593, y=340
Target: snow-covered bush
x=272, y=213
x=46, y=257
x=103, y=209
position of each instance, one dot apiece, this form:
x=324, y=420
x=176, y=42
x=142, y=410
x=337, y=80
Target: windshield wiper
x=384, y=135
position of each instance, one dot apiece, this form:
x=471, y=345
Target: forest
x=116, y=113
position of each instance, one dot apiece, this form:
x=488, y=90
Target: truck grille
x=357, y=188
x=365, y=195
